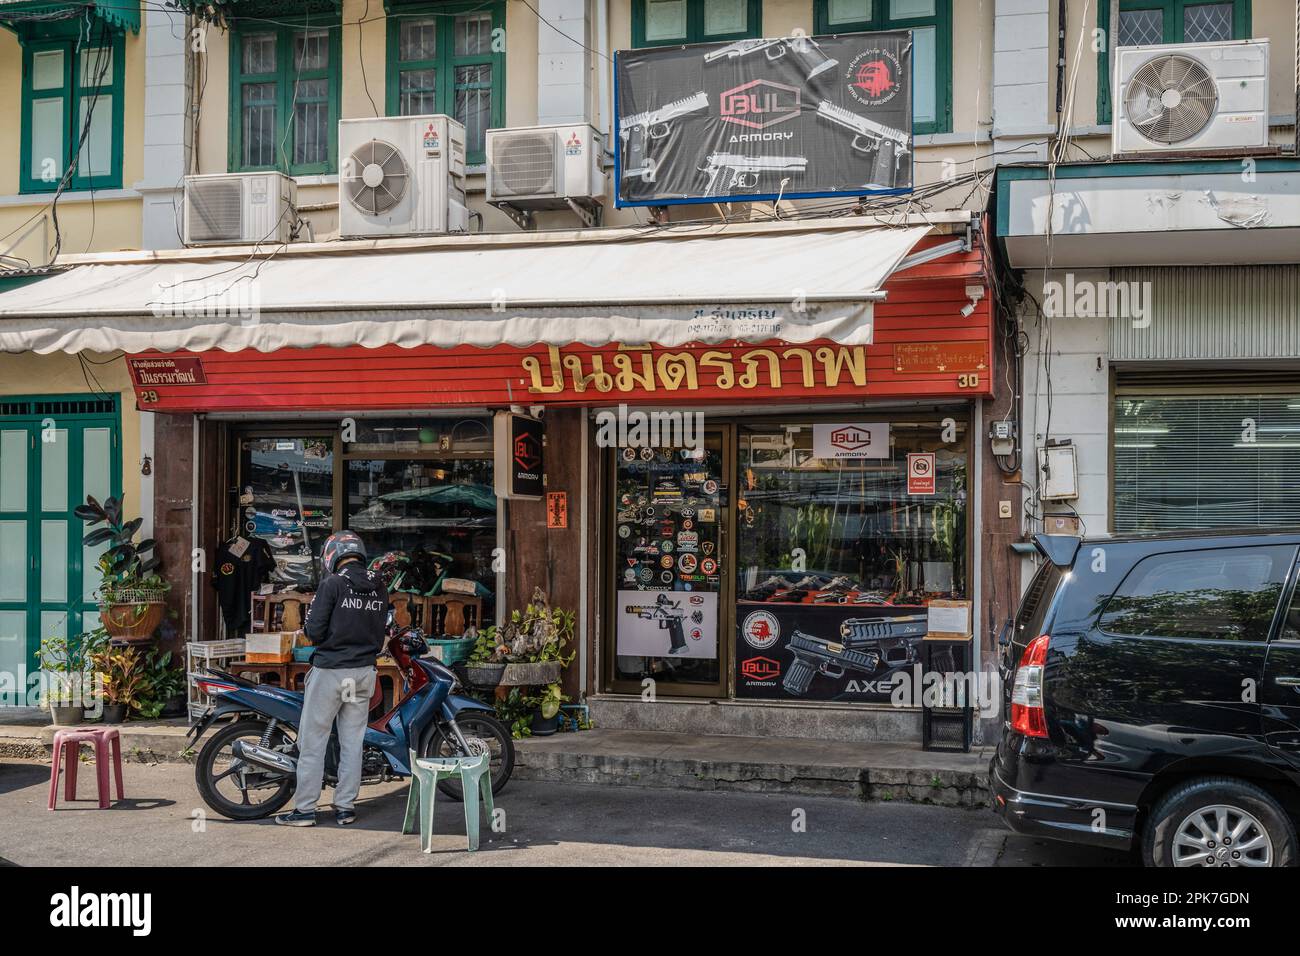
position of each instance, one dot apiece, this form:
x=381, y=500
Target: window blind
x=1201, y=461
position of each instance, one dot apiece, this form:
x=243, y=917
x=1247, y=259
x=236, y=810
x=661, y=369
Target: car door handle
x=1287, y=681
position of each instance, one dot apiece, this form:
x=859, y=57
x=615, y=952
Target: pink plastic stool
x=67, y=743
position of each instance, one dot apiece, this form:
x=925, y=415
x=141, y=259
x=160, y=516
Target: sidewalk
x=634, y=758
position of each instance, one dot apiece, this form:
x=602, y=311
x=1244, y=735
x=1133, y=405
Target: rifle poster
x=792, y=117
x=667, y=624
x=832, y=652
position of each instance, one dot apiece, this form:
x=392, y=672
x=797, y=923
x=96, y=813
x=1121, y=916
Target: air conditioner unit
x=233, y=208
x=1191, y=97
x=401, y=176
x=546, y=167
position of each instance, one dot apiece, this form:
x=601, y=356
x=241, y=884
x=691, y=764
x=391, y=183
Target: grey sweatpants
x=341, y=693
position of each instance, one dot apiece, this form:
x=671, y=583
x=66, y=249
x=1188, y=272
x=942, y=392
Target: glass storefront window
x=442, y=505
x=818, y=531
x=286, y=497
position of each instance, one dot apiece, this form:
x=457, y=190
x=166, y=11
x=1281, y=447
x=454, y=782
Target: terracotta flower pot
x=134, y=616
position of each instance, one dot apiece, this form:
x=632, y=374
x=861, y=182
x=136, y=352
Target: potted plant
x=125, y=678
x=66, y=675
x=131, y=593
x=546, y=719
x=164, y=693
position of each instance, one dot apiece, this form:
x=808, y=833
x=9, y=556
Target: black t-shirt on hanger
x=237, y=575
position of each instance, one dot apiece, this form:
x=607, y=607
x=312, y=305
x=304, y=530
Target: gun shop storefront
x=757, y=437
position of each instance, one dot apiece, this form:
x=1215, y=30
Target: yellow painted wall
x=59, y=374
x=110, y=223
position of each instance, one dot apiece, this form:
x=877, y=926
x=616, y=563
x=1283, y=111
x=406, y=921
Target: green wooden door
x=53, y=452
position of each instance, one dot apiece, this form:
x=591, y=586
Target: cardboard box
x=949, y=620
x=275, y=647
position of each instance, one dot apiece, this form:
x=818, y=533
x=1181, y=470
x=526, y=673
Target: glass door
x=53, y=453
x=669, y=567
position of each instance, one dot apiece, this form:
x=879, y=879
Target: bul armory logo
x=759, y=104
x=851, y=438
x=528, y=453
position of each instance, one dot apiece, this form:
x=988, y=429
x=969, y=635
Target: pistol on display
x=669, y=614
x=742, y=172
x=866, y=645
x=888, y=144
x=801, y=50
x=638, y=128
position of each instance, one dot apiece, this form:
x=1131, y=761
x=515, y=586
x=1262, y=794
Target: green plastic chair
x=475, y=781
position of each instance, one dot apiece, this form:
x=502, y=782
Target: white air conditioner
x=401, y=176
x=1191, y=97
x=233, y=208
x=546, y=167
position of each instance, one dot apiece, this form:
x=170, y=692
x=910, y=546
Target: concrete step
x=144, y=741
x=862, y=771
x=861, y=723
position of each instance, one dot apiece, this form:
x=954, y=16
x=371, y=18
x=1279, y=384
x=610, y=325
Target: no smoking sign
x=920, y=473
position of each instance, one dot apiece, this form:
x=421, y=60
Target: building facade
x=392, y=435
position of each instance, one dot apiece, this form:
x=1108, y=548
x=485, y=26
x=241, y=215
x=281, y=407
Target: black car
x=1152, y=698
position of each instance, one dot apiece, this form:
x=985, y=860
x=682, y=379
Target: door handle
x=1287, y=681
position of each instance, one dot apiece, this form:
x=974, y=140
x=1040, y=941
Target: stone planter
x=531, y=675
x=484, y=675
x=66, y=715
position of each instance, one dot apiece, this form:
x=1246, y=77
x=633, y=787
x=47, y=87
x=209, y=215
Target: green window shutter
x=72, y=85
x=459, y=71
x=285, y=87
x=673, y=22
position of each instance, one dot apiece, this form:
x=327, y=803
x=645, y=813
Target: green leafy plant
x=162, y=683
x=123, y=671
x=125, y=565
x=533, y=635
x=67, y=666
x=551, y=699
x=516, y=710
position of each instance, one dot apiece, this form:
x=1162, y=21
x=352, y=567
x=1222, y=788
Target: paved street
x=546, y=824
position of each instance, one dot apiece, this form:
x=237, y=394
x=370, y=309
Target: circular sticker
x=710, y=487
x=666, y=577
x=629, y=454
x=687, y=524
x=666, y=561
x=624, y=531
x=687, y=563
x=697, y=633
x=629, y=575
x=647, y=454
x=709, y=566
x=760, y=630
x=647, y=574
x=666, y=546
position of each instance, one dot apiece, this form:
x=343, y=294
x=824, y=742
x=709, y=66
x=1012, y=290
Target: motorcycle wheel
x=483, y=732
x=213, y=769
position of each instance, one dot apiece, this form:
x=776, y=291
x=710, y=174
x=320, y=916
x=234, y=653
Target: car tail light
x=1027, y=714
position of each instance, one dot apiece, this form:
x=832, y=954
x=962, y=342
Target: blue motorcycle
x=247, y=769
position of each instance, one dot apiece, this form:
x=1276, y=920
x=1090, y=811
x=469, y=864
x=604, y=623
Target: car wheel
x=1219, y=821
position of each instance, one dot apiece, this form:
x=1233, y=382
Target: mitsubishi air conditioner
x=1191, y=97
x=401, y=176
x=546, y=167
x=233, y=208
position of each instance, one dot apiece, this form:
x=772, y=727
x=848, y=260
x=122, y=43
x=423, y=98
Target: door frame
x=723, y=687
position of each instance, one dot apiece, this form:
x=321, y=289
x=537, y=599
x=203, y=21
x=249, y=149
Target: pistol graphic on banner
x=635, y=132
x=669, y=614
x=889, y=146
x=866, y=645
x=801, y=50
x=728, y=172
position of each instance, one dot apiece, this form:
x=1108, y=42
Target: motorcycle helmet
x=413, y=643
x=339, y=545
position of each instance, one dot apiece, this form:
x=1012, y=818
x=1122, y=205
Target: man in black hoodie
x=346, y=624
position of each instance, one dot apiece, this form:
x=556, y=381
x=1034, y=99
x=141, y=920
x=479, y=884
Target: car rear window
x=1037, y=599
x=1218, y=594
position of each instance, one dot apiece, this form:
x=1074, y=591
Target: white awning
x=708, y=284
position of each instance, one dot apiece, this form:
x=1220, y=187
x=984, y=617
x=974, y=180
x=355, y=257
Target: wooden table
x=293, y=676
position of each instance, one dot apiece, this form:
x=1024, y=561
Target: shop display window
x=286, y=498
x=814, y=530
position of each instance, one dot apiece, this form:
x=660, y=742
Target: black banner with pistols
x=755, y=119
